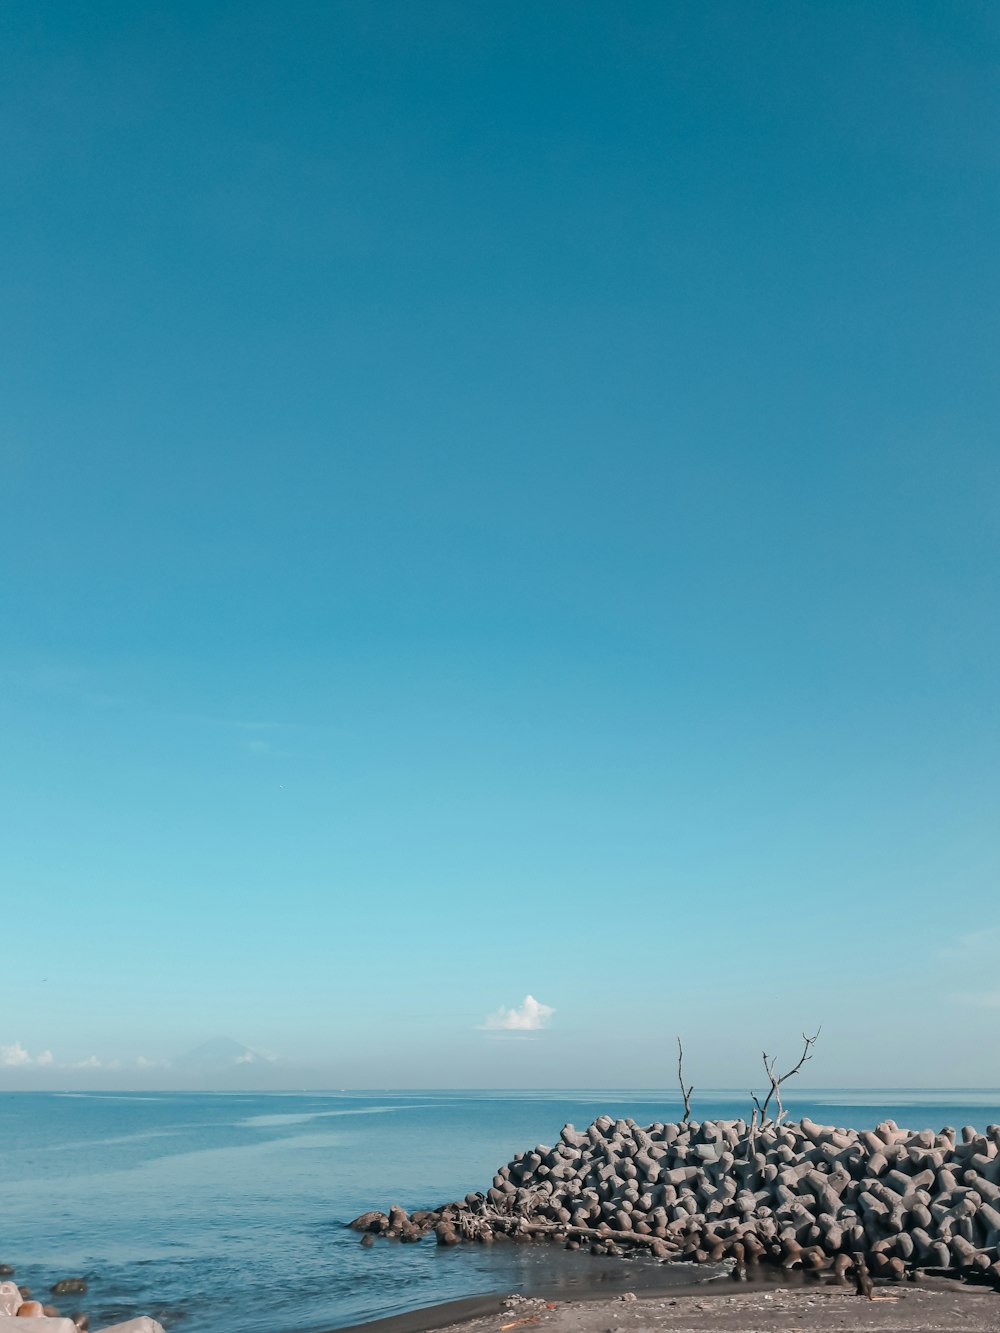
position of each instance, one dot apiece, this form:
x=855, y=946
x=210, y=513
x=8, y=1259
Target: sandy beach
x=934, y=1307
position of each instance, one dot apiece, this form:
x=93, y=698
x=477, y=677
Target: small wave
x=119, y=1138
x=118, y=1096
x=302, y=1117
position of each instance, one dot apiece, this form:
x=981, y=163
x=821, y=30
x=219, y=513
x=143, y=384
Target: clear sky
x=499, y=500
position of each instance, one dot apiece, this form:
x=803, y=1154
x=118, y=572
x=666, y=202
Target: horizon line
x=616, y=1089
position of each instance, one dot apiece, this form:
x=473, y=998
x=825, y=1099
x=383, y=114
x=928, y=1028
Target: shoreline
x=605, y=1282
x=933, y=1305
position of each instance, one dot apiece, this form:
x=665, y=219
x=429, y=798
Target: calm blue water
x=226, y=1212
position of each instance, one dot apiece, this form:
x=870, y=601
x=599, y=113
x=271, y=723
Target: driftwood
x=603, y=1235
x=472, y=1224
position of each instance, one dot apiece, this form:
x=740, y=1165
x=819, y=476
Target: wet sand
x=718, y=1307
x=605, y=1281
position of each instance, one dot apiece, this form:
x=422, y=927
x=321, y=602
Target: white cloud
x=16, y=1057
x=249, y=1057
x=531, y=1016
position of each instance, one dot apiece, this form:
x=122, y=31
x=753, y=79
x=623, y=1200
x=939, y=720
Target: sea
x=227, y=1212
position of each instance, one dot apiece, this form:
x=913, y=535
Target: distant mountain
x=219, y=1054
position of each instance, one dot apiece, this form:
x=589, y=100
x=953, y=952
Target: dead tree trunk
x=685, y=1092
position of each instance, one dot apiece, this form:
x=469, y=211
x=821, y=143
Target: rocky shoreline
x=888, y=1204
x=20, y=1312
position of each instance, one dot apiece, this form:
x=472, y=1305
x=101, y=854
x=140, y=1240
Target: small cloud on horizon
x=217, y=1062
x=257, y=1057
x=530, y=1016
x=16, y=1057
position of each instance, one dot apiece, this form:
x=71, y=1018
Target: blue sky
x=499, y=500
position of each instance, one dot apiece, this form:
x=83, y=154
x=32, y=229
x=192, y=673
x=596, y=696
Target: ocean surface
x=226, y=1212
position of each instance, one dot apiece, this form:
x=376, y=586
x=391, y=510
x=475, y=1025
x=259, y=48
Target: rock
x=374, y=1221
x=571, y=1138
x=919, y=1217
x=70, y=1286
x=840, y=1266
x=963, y=1253
x=31, y=1310
x=142, y=1325
x=367, y=1240
x=905, y=1247
x=814, y=1258
x=10, y=1298
x=35, y=1324
x=707, y=1152
x=938, y=1255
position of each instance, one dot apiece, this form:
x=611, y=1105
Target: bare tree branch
x=769, y=1071
x=776, y=1080
x=685, y=1092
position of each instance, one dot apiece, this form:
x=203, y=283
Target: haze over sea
x=212, y=1211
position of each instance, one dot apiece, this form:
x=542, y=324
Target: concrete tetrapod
x=799, y=1195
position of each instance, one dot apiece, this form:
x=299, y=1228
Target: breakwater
x=797, y=1194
